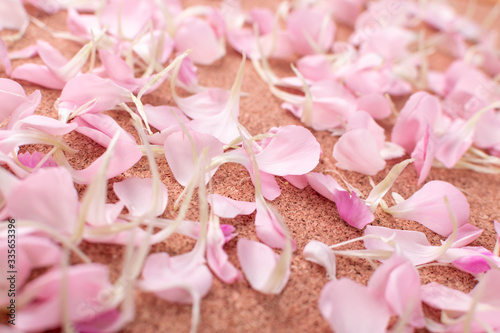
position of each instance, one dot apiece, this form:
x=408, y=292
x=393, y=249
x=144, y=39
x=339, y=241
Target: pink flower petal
x=45, y=124
x=363, y=120
x=136, y=15
x=13, y=16
x=344, y=302
x=421, y=110
x=427, y=206
x=424, y=155
x=486, y=134
x=375, y=104
x=165, y=276
x=101, y=128
x=136, y=194
x=228, y=208
x=179, y=154
x=85, y=284
x=268, y=228
x=299, y=181
x=398, y=282
x=32, y=160
x=315, y=67
x=357, y=151
x=319, y=253
x=88, y=87
x=466, y=234
x=325, y=185
x=217, y=259
x=309, y=23
x=293, y=150
x=43, y=208
x=353, y=210
x=12, y=95
x=258, y=262
x=197, y=34
x=39, y=75
x=161, y=116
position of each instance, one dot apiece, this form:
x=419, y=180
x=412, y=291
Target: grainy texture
x=238, y=308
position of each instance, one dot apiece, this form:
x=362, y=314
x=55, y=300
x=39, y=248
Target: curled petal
x=319, y=253
x=423, y=154
x=427, y=206
x=228, y=208
x=136, y=194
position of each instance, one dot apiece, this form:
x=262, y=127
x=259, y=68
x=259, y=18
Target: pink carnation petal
x=424, y=155
x=228, y=208
x=4, y=57
x=353, y=210
x=136, y=194
x=427, y=206
x=258, y=261
x=268, y=228
x=39, y=75
x=45, y=124
x=357, y=151
x=101, y=128
x=363, y=120
x=375, y=104
x=319, y=253
x=12, y=95
x=217, y=259
x=343, y=302
x=293, y=150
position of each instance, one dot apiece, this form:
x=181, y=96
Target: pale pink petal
x=119, y=71
x=85, y=283
x=466, y=234
x=497, y=229
x=32, y=160
x=424, y=155
x=12, y=95
x=53, y=59
x=315, y=67
x=306, y=24
x=179, y=154
x=88, y=87
x=445, y=298
x=4, y=57
x=299, y=181
x=12, y=15
x=398, y=282
x=412, y=244
x=427, y=206
x=217, y=259
x=44, y=124
x=188, y=73
x=357, y=151
x=263, y=18
x=293, y=150
x=228, y=208
x=39, y=75
x=353, y=210
x=258, y=262
x=161, y=116
x=363, y=120
x=268, y=228
x=319, y=253
x=375, y=104
x=487, y=134
x=204, y=104
x=389, y=42
x=82, y=25
x=346, y=11
x=136, y=194
x=43, y=208
x=167, y=276
x=25, y=109
x=352, y=307
x=197, y=34
x=325, y=185
x=157, y=46
x=421, y=110
x=126, y=18
x=125, y=156
x=101, y=128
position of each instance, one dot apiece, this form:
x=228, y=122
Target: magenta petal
x=136, y=194
x=293, y=150
x=258, y=261
x=344, y=302
x=166, y=276
x=357, y=151
x=353, y=210
x=43, y=208
x=427, y=206
x=228, y=208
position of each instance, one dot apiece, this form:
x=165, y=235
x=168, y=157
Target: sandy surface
x=236, y=307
